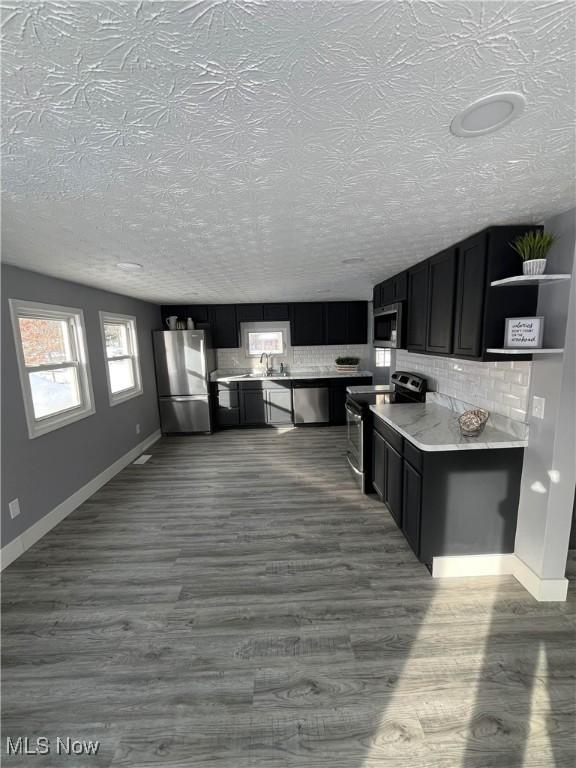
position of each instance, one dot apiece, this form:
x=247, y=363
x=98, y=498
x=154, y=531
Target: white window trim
x=115, y=398
x=37, y=427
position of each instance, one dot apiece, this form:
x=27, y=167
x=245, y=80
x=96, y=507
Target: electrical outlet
x=137, y=429
x=538, y=404
x=14, y=507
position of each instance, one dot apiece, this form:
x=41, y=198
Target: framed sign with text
x=523, y=332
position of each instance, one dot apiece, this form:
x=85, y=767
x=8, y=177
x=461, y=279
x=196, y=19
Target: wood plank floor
x=236, y=603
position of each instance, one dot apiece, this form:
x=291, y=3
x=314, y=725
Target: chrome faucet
x=268, y=363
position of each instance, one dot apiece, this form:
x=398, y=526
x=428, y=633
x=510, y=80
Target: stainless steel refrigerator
x=184, y=360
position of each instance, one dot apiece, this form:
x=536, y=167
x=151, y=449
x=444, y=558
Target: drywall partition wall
x=44, y=472
x=549, y=472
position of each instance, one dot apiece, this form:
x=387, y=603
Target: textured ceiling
x=242, y=150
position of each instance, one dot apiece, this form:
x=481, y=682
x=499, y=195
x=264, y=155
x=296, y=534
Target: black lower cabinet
x=379, y=464
x=393, y=491
x=448, y=502
x=411, y=505
x=253, y=406
x=254, y=403
x=227, y=405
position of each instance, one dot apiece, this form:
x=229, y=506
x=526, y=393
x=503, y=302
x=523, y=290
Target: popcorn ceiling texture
x=241, y=150
x=501, y=387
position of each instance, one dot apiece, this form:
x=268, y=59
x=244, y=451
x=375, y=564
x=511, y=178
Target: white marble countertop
x=315, y=373
x=432, y=427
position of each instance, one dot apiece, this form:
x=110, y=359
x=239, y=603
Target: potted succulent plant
x=533, y=247
x=347, y=364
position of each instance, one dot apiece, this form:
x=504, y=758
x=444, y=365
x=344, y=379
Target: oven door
x=355, y=436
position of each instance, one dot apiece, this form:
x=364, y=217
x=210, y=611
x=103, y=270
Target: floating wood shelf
x=525, y=351
x=530, y=279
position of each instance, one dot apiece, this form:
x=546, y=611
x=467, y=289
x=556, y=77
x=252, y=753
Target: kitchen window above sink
x=270, y=342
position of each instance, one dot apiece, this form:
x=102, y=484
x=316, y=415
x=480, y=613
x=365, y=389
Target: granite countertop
x=316, y=373
x=431, y=427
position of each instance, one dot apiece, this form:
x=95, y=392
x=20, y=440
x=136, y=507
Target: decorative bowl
x=473, y=422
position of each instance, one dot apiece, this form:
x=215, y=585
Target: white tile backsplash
x=500, y=387
x=299, y=357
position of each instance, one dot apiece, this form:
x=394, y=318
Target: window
x=383, y=358
x=120, y=342
x=271, y=342
x=53, y=365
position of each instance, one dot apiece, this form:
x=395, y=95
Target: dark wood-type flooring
x=236, y=603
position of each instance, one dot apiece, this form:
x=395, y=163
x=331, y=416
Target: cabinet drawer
x=227, y=386
x=390, y=435
x=413, y=455
x=265, y=384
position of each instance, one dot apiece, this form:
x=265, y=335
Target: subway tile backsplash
x=500, y=387
x=300, y=358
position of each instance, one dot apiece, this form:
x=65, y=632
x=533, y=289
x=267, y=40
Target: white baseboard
x=31, y=535
x=472, y=565
x=544, y=590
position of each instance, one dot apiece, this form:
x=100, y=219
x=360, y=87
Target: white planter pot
x=534, y=267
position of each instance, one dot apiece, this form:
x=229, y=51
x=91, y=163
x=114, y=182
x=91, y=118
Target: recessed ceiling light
x=129, y=266
x=488, y=114
x=353, y=260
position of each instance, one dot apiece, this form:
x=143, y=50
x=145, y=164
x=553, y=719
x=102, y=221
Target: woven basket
x=347, y=368
x=473, y=422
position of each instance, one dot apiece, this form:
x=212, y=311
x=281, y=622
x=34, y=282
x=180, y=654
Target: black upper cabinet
x=470, y=291
x=307, y=324
x=417, y=307
x=356, y=322
x=480, y=309
x=336, y=322
x=441, y=283
x=276, y=312
x=452, y=308
x=391, y=291
x=346, y=322
x=249, y=313
x=387, y=292
x=400, y=287
x=222, y=319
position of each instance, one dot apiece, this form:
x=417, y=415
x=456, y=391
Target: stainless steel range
x=405, y=388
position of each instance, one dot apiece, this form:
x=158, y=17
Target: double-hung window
x=120, y=340
x=53, y=364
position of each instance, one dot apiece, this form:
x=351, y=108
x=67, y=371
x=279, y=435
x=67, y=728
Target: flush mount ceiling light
x=488, y=114
x=129, y=266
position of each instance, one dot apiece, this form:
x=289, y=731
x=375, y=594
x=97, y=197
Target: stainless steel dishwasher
x=311, y=402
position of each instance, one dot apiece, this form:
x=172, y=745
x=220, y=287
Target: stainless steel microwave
x=388, y=328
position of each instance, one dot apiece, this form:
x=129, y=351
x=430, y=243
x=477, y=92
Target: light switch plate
x=538, y=404
x=14, y=507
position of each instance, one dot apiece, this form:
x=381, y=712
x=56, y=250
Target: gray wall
x=549, y=471
x=45, y=471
